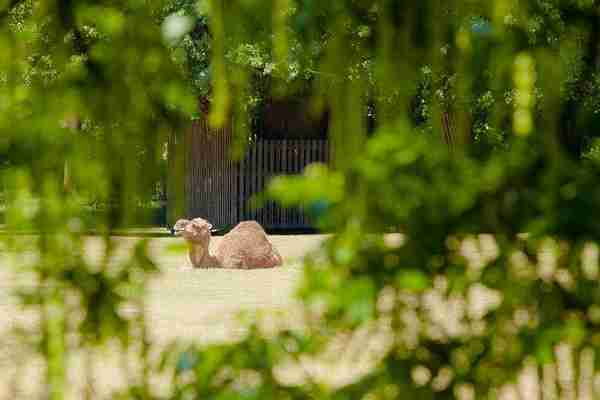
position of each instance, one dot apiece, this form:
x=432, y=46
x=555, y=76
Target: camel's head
x=194, y=231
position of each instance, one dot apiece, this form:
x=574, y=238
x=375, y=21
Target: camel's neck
x=201, y=257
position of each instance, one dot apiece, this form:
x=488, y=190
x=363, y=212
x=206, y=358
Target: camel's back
x=248, y=226
x=247, y=246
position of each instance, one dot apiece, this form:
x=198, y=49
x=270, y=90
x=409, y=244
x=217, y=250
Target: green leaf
x=413, y=280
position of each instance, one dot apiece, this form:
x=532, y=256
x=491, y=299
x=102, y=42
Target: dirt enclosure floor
x=182, y=303
x=192, y=305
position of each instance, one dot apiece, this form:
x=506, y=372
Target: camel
x=245, y=247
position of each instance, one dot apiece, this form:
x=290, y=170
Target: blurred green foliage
x=88, y=95
x=464, y=236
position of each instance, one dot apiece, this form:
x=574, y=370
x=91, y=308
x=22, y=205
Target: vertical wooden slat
x=275, y=164
x=231, y=211
x=214, y=203
x=282, y=150
x=286, y=167
x=270, y=208
x=238, y=169
x=202, y=185
x=245, y=182
x=227, y=182
x=312, y=156
x=261, y=180
x=216, y=181
x=213, y=145
x=307, y=153
x=247, y=176
x=266, y=179
x=294, y=167
x=206, y=205
x=187, y=171
x=317, y=151
x=197, y=160
x=197, y=163
x=236, y=178
x=202, y=180
x=271, y=150
x=192, y=170
x=199, y=188
x=310, y=152
x=219, y=175
x=224, y=180
x=207, y=179
x=302, y=166
x=268, y=174
x=291, y=169
x=209, y=193
x=260, y=176
x=252, y=183
x=296, y=164
x=300, y=155
x=203, y=190
x=218, y=142
x=232, y=188
x=249, y=182
x=280, y=170
x=255, y=181
x=241, y=179
x=219, y=183
x=277, y=171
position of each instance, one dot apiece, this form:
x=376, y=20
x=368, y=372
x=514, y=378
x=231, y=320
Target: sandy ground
x=201, y=305
x=198, y=304
x=182, y=302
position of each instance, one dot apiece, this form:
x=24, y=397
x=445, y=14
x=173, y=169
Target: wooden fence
x=266, y=159
x=219, y=189
x=211, y=178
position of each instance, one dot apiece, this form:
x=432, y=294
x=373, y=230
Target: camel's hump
x=248, y=225
x=249, y=245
